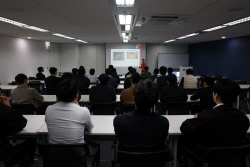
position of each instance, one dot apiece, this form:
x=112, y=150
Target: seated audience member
x=102, y=93
x=67, y=75
x=92, y=77
x=172, y=92
x=112, y=81
x=74, y=72
x=142, y=130
x=127, y=74
x=146, y=74
x=162, y=80
x=40, y=75
x=225, y=126
x=170, y=70
x=0, y=92
x=189, y=81
x=82, y=81
x=12, y=122
x=127, y=82
x=67, y=120
x=114, y=75
x=81, y=67
x=205, y=95
x=52, y=81
x=155, y=73
x=111, y=66
x=24, y=95
x=127, y=95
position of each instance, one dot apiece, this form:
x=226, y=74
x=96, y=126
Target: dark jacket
x=138, y=131
x=113, y=82
x=102, y=94
x=153, y=77
x=82, y=82
x=205, y=95
x=75, y=75
x=52, y=81
x=127, y=83
x=162, y=81
x=173, y=93
x=40, y=76
x=145, y=75
x=116, y=77
x=225, y=126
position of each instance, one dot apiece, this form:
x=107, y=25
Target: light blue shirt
x=93, y=79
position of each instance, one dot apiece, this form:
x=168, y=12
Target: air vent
x=158, y=20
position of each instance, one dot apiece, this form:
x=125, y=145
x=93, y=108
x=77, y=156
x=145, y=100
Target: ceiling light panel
x=214, y=28
x=238, y=21
x=125, y=3
x=127, y=27
x=172, y=40
x=36, y=28
x=123, y=34
x=125, y=19
x=78, y=40
x=190, y=35
x=128, y=19
x=63, y=36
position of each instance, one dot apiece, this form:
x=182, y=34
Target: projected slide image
x=132, y=55
x=118, y=56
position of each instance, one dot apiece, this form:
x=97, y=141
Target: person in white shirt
x=189, y=81
x=66, y=120
x=92, y=77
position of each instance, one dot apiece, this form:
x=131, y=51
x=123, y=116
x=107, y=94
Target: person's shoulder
x=123, y=117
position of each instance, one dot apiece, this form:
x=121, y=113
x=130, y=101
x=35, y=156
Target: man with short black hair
x=92, y=77
x=142, y=130
x=74, y=72
x=112, y=81
x=102, y=93
x=127, y=82
x=224, y=126
x=170, y=70
x=172, y=92
x=155, y=73
x=162, y=80
x=40, y=75
x=111, y=66
x=189, y=81
x=128, y=94
x=114, y=75
x=127, y=74
x=52, y=81
x=146, y=74
x=205, y=95
x=23, y=94
x=82, y=81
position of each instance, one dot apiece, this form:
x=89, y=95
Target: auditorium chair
x=178, y=108
x=24, y=109
x=127, y=108
x=37, y=85
x=103, y=108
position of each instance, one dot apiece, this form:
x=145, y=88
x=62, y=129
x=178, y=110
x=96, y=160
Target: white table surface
x=34, y=123
x=119, y=86
x=244, y=86
x=42, y=81
x=8, y=87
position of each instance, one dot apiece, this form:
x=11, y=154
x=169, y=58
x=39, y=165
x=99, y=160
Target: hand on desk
x=196, y=115
x=5, y=100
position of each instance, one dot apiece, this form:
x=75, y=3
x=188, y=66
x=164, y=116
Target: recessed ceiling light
x=29, y=37
x=125, y=38
x=170, y=41
x=214, y=28
x=127, y=27
x=123, y=34
x=237, y=21
x=78, y=40
x=125, y=19
x=125, y=41
x=190, y=35
x=223, y=37
x=22, y=24
x=125, y=3
x=63, y=36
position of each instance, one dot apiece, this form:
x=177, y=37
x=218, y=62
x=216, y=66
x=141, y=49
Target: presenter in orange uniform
x=143, y=65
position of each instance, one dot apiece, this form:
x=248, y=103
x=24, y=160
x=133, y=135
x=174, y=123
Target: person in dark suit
x=127, y=82
x=12, y=122
x=52, y=81
x=142, y=130
x=74, y=72
x=127, y=74
x=102, y=93
x=146, y=74
x=224, y=126
x=170, y=70
x=82, y=81
x=112, y=81
x=205, y=95
x=172, y=92
x=40, y=75
x=162, y=80
x=114, y=75
x=155, y=73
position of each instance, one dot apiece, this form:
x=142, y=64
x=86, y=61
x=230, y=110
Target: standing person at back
x=40, y=75
x=127, y=82
x=24, y=95
x=189, y=81
x=162, y=80
x=114, y=75
x=102, y=93
x=146, y=74
x=143, y=65
x=92, y=77
x=112, y=81
x=74, y=72
x=82, y=81
x=127, y=74
x=52, y=81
